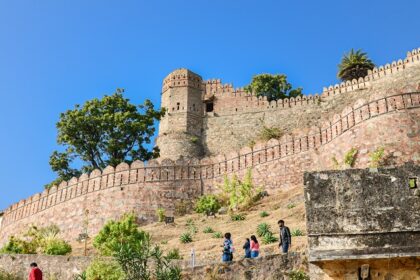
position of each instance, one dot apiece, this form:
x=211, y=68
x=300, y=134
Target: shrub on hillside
x=145, y=261
x=298, y=275
x=268, y=133
x=240, y=194
x=181, y=208
x=133, y=250
x=263, y=229
x=104, y=270
x=56, y=247
x=124, y=231
x=185, y=237
x=217, y=234
x=189, y=222
x=174, y=254
x=207, y=204
x=44, y=240
x=192, y=228
x=160, y=213
x=18, y=246
x=208, y=230
x=269, y=238
x=297, y=232
x=237, y=217
x=264, y=214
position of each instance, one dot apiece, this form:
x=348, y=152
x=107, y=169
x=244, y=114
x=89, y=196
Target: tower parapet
x=180, y=128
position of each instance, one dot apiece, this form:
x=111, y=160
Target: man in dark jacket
x=285, y=237
x=35, y=273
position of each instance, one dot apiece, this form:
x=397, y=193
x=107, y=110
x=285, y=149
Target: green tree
x=274, y=87
x=104, y=132
x=354, y=65
x=124, y=231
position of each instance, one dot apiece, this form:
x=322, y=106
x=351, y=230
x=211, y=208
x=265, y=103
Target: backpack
x=228, y=247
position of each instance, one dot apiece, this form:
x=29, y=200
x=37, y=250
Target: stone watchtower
x=180, y=129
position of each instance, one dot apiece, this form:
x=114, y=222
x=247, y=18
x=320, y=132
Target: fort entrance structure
x=212, y=129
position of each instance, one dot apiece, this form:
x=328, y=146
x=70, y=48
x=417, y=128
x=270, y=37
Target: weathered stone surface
x=364, y=216
x=275, y=267
x=53, y=267
x=65, y=267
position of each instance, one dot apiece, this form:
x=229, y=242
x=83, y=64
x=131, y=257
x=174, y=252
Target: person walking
x=285, y=237
x=255, y=247
x=35, y=273
x=247, y=248
x=227, y=248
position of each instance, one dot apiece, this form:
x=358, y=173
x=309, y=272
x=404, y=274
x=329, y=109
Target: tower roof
x=183, y=73
x=182, y=77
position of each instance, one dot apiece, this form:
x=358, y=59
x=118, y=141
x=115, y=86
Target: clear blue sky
x=54, y=54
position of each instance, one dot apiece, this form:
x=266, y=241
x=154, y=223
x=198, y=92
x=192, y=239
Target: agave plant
x=269, y=238
x=263, y=229
x=297, y=232
x=208, y=230
x=217, y=234
x=354, y=65
x=185, y=237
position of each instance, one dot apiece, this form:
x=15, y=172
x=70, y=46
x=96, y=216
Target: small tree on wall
x=104, y=132
x=274, y=87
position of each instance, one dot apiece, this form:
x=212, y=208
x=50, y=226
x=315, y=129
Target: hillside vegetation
x=284, y=204
x=287, y=205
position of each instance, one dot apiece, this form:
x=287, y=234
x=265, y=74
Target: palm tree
x=354, y=65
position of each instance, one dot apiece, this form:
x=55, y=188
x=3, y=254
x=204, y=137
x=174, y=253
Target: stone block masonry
x=64, y=268
x=387, y=116
x=364, y=217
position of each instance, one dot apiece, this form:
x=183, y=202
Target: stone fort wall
x=391, y=120
x=238, y=117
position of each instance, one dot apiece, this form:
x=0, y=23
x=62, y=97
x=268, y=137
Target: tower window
x=209, y=107
x=177, y=106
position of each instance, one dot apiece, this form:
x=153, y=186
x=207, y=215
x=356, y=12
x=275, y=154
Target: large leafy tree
x=273, y=86
x=104, y=132
x=354, y=64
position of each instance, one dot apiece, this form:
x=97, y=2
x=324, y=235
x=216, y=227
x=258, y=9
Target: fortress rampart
x=237, y=118
x=389, y=119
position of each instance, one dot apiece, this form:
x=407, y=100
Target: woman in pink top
x=255, y=247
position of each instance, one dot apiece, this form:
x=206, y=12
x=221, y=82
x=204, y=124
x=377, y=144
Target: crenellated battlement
x=246, y=102
x=120, y=176
x=374, y=74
